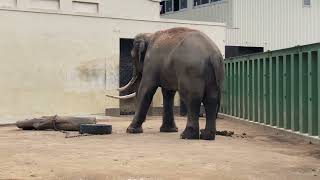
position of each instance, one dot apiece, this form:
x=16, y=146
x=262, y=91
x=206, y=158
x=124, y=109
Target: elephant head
x=138, y=52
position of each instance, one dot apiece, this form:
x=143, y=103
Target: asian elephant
x=183, y=60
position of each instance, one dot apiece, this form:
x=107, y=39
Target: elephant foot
x=134, y=130
x=190, y=133
x=169, y=129
x=207, y=134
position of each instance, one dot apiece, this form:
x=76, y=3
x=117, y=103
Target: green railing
x=278, y=88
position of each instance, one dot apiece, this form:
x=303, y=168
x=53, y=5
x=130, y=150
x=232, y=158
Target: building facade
x=268, y=24
x=63, y=56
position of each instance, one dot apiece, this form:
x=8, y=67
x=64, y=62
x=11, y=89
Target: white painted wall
x=64, y=63
x=138, y=9
x=220, y=11
x=272, y=24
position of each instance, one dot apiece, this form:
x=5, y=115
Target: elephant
x=177, y=59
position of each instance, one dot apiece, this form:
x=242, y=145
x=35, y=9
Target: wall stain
x=92, y=70
x=92, y=75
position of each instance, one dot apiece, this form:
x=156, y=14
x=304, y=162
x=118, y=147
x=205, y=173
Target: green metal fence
x=278, y=88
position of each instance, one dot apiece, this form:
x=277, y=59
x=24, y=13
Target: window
x=307, y=3
x=169, y=5
x=176, y=5
x=183, y=4
x=163, y=7
x=8, y=3
x=45, y=4
x=204, y=1
x=196, y=2
x=173, y=5
x=85, y=7
x=200, y=2
x=234, y=51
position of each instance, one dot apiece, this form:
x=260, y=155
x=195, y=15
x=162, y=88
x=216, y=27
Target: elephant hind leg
x=168, y=124
x=191, y=93
x=210, y=105
x=192, y=128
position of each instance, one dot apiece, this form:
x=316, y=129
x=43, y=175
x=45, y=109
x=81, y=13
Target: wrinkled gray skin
x=182, y=60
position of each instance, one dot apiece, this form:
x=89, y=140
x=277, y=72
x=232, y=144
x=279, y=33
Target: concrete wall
x=220, y=11
x=137, y=9
x=271, y=24
x=274, y=24
x=65, y=63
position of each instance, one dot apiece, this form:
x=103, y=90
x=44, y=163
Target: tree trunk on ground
x=66, y=123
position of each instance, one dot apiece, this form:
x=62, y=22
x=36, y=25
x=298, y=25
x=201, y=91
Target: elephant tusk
x=132, y=81
x=129, y=96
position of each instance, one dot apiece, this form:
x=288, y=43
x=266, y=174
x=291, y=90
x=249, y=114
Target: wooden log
x=65, y=123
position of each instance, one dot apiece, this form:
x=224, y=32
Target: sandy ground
x=261, y=154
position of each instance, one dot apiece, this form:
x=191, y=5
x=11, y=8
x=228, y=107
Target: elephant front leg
x=168, y=124
x=145, y=95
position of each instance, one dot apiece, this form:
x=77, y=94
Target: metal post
x=300, y=94
x=318, y=94
x=258, y=118
x=264, y=90
x=239, y=89
x=248, y=89
x=271, y=91
x=243, y=75
x=277, y=92
x=285, y=99
x=309, y=76
x=254, y=91
x=228, y=90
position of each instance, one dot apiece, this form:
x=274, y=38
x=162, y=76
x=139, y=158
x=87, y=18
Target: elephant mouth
x=126, y=87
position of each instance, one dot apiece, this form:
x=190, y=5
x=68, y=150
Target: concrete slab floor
x=259, y=154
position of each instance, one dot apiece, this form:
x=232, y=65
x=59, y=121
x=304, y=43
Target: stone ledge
x=153, y=111
x=112, y=112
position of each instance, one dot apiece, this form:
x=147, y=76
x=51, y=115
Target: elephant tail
x=216, y=61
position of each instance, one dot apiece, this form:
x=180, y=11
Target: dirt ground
x=260, y=154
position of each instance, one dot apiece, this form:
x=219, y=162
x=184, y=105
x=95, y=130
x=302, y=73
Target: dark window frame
x=195, y=3
x=171, y=10
x=306, y=3
x=163, y=7
x=204, y=2
x=186, y=3
x=176, y=5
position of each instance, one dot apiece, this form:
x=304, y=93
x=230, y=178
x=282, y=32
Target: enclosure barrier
x=278, y=88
